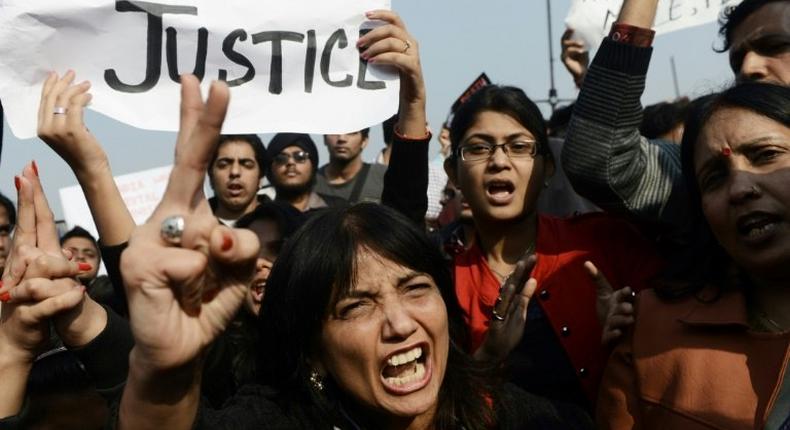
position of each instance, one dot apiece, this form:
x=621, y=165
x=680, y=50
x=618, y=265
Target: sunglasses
x=283, y=158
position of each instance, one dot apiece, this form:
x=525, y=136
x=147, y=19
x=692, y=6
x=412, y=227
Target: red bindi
x=726, y=151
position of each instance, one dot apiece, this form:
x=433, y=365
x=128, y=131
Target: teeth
x=406, y=357
x=757, y=231
x=419, y=373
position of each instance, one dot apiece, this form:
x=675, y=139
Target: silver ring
x=172, y=229
x=59, y=110
x=496, y=315
x=408, y=45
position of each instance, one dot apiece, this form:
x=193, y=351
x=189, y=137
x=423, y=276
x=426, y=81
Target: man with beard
x=235, y=174
x=346, y=176
x=293, y=164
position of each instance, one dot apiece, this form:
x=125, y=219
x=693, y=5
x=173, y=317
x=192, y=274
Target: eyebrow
x=507, y=138
x=400, y=282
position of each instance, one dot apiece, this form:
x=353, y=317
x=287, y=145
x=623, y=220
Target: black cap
x=284, y=140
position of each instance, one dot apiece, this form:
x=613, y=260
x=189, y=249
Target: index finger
x=194, y=151
x=46, y=233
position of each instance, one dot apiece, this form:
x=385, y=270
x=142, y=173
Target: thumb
x=604, y=289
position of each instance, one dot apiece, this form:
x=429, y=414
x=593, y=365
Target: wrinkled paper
x=133, y=64
x=591, y=20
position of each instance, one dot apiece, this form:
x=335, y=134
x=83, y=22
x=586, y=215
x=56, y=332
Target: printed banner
x=292, y=65
x=592, y=19
x=141, y=191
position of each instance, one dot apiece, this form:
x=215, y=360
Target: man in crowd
x=292, y=169
x=605, y=157
x=664, y=120
x=235, y=174
x=7, y=221
x=85, y=249
x=346, y=176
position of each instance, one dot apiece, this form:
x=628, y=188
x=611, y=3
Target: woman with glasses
x=552, y=345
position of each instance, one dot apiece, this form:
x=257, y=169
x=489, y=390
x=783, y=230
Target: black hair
x=10, y=208
x=388, y=129
x=287, y=218
x=78, y=231
x=508, y=100
x=316, y=266
x=704, y=262
x=365, y=132
x=661, y=118
x=255, y=143
x=733, y=16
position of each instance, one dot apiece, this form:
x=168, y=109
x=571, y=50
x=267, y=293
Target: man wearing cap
x=7, y=221
x=293, y=164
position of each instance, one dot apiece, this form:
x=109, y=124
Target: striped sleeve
x=605, y=157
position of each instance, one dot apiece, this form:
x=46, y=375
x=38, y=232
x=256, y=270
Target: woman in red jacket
x=551, y=345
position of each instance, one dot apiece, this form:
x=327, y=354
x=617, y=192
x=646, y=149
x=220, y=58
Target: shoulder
x=377, y=169
x=589, y=225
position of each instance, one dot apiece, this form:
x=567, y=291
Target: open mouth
x=500, y=191
x=757, y=226
x=407, y=370
x=235, y=189
x=257, y=289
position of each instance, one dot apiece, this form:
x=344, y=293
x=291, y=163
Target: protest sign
x=141, y=191
x=291, y=65
x=592, y=19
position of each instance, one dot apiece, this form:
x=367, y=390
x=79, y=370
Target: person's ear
x=365, y=141
x=451, y=170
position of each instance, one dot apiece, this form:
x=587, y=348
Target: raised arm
x=406, y=180
x=67, y=135
x=605, y=157
x=38, y=286
x=182, y=294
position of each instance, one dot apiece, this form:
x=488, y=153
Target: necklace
x=504, y=277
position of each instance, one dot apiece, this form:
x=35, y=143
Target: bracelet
x=631, y=35
x=401, y=136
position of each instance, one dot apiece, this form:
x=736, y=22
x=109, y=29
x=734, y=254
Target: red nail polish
x=84, y=266
x=35, y=167
x=726, y=151
x=5, y=297
x=227, y=242
x=16, y=182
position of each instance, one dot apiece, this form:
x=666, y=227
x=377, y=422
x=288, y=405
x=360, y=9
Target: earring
x=316, y=381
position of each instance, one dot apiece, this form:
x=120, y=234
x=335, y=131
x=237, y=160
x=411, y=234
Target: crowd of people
x=614, y=267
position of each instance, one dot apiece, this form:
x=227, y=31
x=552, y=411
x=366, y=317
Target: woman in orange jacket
x=709, y=348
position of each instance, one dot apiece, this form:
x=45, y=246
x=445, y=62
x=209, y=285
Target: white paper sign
x=292, y=65
x=592, y=19
x=141, y=191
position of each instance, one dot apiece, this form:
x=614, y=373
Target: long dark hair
x=704, y=262
x=318, y=264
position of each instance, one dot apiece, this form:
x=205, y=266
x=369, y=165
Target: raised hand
x=575, y=57
x=65, y=132
x=38, y=285
x=61, y=125
x=182, y=297
x=506, y=326
x=392, y=45
x=615, y=309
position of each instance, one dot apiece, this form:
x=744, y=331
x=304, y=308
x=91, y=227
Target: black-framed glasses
x=298, y=157
x=483, y=151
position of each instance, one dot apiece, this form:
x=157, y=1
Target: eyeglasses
x=298, y=157
x=483, y=151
